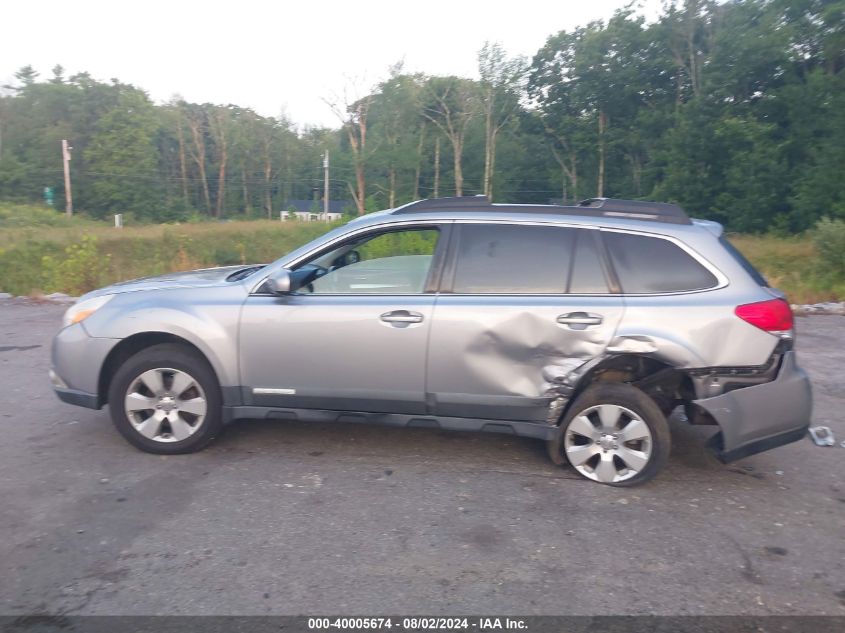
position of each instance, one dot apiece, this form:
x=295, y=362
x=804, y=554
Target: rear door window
x=647, y=265
x=513, y=259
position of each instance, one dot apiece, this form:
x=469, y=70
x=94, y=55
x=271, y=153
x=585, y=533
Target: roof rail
x=595, y=207
x=638, y=210
x=463, y=203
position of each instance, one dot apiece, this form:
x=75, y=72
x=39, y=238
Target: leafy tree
x=451, y=103
x=501, y=83
x=123, y=155
x=735, y=109
x=397, y=129
x=27, y=76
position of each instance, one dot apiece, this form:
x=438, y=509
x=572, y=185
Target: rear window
x=648, y=265
x=747, y=265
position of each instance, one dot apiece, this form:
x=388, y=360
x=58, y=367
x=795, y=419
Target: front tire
x=166, y=400
x=614, y=434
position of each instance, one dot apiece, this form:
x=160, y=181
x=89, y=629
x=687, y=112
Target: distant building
x=312, y=210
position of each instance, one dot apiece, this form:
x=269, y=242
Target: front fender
x=205, y=317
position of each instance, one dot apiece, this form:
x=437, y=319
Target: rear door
x=521, y=305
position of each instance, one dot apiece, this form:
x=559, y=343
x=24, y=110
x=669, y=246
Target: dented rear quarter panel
x=699, y=329
x=695, y=330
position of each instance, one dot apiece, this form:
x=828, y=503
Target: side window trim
x=447, y=279
x=613, y=285
x=577, y=240
x=436, y=273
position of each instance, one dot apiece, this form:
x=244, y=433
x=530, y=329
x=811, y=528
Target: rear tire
x=166, y=400
x=613, y=434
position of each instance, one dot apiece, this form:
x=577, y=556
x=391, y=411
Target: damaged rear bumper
x=762, y=417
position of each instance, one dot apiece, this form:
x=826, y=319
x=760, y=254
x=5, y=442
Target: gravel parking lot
x=293, y=518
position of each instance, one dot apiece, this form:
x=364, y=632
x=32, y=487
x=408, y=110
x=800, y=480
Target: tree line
x=735, y=110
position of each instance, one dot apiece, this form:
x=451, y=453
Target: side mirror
x=280, y=282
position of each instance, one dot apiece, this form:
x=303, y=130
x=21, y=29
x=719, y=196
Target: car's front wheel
x=166, y=399
x=615, y=434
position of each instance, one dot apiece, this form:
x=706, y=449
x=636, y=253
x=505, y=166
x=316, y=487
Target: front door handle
x=402, y=317
x=579, y=320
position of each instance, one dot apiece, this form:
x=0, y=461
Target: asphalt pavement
x=295, y=518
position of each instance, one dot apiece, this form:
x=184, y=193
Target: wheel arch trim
x=139, y=341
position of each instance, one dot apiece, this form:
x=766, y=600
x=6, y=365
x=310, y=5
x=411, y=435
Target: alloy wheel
x=608, y=443
x=165, y=405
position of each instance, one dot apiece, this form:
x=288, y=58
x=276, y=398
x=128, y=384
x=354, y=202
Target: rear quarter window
x=648, y=265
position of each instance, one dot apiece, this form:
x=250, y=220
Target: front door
x=353, y=336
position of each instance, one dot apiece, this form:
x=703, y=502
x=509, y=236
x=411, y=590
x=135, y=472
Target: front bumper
x=78, y=398
x=77, y=362
x=758, y=418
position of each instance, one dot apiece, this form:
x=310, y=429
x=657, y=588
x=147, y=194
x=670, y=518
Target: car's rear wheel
x=615, y=434
x=166, y=399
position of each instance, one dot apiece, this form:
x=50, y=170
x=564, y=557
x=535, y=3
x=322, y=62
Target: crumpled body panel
x=505, y=358
x=510, y=357
x=752, y=415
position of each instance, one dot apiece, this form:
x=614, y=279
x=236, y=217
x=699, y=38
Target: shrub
x=829, y=239
x=38, y=215
x=21, y=270
x=80, y=271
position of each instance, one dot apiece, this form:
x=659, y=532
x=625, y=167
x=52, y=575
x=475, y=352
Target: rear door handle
x=579, y=320
x=401, y=316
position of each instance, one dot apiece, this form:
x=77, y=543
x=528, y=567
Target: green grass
x=793, y=265
x=42, y=251
x=79, y=255
x=34, y=216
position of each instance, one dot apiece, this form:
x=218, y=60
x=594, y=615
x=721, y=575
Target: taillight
x=774, y=315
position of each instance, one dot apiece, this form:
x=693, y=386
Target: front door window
x=393, y=263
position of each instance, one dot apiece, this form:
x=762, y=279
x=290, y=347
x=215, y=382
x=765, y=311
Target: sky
x=276, y=56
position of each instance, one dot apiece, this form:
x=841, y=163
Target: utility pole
x=68, y=195
x=326, y=186
x=437, y=167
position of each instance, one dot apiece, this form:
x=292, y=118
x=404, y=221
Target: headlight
x=82, y=310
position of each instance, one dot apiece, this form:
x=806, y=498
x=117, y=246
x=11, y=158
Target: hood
x=191, y=279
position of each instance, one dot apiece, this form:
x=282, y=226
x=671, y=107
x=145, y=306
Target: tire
x=594, y=431
x=166, y=400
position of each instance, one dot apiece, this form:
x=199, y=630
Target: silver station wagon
x=584, y=326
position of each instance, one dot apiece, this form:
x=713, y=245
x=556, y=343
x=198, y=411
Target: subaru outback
x=583, y=326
